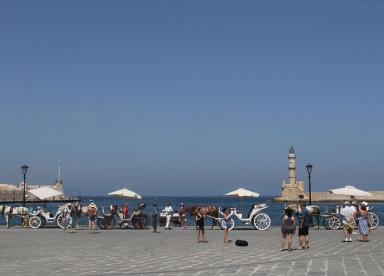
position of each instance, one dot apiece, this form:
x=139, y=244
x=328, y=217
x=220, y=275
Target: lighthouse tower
x=292, y=166
x=292, y=189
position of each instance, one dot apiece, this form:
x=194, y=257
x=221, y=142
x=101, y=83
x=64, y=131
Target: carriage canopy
x=350, y=191
x=241, y=192
x=45, y=192
x=125, y=193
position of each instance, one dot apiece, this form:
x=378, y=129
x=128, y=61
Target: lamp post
x=24, y=170
x=309, y=171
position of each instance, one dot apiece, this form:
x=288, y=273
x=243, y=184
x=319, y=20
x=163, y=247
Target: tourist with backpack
x=92, y=212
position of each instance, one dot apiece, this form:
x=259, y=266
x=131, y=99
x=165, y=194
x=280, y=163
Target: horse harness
x=3, y=207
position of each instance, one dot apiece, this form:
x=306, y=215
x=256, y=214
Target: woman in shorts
x=287, y=229
x=200, y=226
x=227, y=224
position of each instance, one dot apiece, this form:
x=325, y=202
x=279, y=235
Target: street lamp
x=24, y=170
x=309, y=171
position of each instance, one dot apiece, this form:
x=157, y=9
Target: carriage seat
x=255, y=206
x=251, y=209
x=47, y=213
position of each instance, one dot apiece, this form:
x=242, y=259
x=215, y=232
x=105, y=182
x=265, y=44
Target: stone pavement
x=176, y=252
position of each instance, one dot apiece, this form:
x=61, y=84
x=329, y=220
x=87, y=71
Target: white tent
x=125, y=193
x=350, y=191
x=241, y=192
x=44, y=192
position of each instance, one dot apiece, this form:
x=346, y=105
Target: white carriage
x=41, y=217
x=258, y=219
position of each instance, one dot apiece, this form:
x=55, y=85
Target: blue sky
x=191, y=98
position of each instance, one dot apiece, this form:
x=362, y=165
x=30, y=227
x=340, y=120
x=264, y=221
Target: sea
x=274, y=209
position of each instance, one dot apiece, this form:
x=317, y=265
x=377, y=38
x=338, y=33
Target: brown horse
x=314, y=210
x=210, y=211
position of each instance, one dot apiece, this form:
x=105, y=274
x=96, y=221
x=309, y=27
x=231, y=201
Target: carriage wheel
x=111, y=224
x=140, y=221
x=261, y=221
x=146, y=221
x=34, y=222
x=162, y=221
x=374, y=220
x=101, y=223
x=222, y=224
x=60, y=221
x=325, y=223
x=334, y=223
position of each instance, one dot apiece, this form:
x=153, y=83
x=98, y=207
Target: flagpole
x=59, y=170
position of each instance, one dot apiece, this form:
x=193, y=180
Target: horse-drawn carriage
x=138, y=219
x=42, y=217
x=334, y=220
x=256, y=217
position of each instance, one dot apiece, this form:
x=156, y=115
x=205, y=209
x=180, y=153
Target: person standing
x=92, y=211
x=76, y=210
x=125, y=211
x=363, y=223
x=288, y=227
x=68, y=216
x=168, y=214
x=227, y=224
x=304, y=223
x=348, y=213
x=182, y=215
x=155, y=211
x=200, y=226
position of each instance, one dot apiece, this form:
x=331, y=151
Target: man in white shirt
x=348, y=213
x=168, y=214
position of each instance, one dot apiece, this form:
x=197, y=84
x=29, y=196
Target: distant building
x=13, y=192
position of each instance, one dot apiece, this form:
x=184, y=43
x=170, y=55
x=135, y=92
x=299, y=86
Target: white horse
x=9, y=211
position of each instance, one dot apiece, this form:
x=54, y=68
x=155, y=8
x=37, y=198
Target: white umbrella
x=241, y=192
x=125, y=193
x=350, y=191
x=44, y=192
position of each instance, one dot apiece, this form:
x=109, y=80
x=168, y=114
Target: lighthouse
x=292, y=189
x=292, y=166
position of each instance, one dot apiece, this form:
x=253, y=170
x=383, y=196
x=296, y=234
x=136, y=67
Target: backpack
x=241, y=243
x=92, y=211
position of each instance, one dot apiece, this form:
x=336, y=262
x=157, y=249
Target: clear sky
x=191, y=97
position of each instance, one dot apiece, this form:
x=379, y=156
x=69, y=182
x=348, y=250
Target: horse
x=9, y=211
x=314, y=210
x=210, y=211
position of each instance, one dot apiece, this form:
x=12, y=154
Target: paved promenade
x=176, y=252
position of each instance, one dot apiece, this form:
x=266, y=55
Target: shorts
x=288, y=230
x=227, y=224
x=92, y=218
x=303, y=231
x=200, y=226
x=348, y=228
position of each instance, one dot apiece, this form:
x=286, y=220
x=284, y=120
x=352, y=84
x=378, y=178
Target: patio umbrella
x=44, y=192
x=241, y=192
x=125, y=193
x=349, y=191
